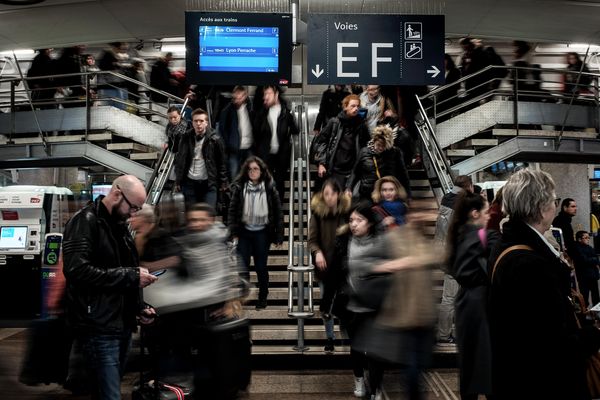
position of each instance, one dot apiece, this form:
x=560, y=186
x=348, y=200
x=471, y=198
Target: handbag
x=315, y=150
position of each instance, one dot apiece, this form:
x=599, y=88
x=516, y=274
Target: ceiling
x=59, y=23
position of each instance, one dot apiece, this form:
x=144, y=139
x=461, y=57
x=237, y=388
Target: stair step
x=419, y=183
x=288, y=349
x=92, y=137
x=424, y=204
x=153, y=155
x=422, y=194
x=282, y=294
x=274, y=276
x=460, y=152
x=289, y=332
x=544, y=133
x=131, y=146
x=481, y=142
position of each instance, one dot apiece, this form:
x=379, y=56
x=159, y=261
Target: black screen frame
x=283, y=21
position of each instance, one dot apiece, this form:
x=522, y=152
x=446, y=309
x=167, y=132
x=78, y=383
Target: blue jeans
x=235, y=161
x=105, y=357
x=327, y=322
x=256, y=244
x=198, y=192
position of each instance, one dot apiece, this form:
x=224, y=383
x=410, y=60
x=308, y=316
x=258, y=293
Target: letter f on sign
x=375, y=59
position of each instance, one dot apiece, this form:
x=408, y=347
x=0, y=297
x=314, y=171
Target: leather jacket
x=101, y=270
x=213, y=151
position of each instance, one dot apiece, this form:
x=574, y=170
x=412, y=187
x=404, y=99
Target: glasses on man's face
x=557, y=201
x=132, y=207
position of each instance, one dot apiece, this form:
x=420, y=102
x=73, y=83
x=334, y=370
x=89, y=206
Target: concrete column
x=572, y=181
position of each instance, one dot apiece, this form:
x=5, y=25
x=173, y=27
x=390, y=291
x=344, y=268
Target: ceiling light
x=18, y=52
x=173, y=48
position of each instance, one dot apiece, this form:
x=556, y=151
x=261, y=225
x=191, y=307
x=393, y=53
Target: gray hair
x=526, y=194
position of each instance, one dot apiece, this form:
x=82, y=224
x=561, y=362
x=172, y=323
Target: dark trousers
x=235, y=159
x=589, y=286
x=256, y=244
x=198, y=192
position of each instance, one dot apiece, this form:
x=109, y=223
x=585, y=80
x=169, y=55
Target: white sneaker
x=359, y=387
x=378, y=395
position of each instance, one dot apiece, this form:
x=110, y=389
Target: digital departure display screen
x=13, y=237
x=239, y=48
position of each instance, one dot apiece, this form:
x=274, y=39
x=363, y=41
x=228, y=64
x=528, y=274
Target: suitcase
x=154, y=389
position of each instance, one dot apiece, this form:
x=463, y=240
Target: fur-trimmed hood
x=318, y=206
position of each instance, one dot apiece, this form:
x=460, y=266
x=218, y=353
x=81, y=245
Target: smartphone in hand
x=159, y=272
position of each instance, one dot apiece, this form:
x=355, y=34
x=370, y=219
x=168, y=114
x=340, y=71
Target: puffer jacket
x=101, y=269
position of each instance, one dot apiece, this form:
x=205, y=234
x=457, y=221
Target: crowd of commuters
x=364, y=242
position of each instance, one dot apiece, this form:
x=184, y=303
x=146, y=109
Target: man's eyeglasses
x=557, y=201
x=132, y=207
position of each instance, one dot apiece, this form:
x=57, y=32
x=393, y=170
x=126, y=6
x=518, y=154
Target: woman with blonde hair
x=389, y=198
x=378, y=159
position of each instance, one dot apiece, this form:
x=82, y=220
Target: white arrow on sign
x=318, y=72
x=434, y=72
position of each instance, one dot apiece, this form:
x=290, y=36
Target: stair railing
x=436, y=164
x=299, y=265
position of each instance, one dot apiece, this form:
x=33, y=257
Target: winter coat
x=236, y=209
x=321, y=237
x=532, y=322
x=330, y=136
x=261, y=130
x=389, y=162
x=331, y=105
x=470, y=269
x=563, y=221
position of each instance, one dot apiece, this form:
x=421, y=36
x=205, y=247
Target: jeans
x=256, y=244
x=117, y=93
x=446, y=315
x=235, y=161
x=198, y=192
x=105, y=357
x=327, y=322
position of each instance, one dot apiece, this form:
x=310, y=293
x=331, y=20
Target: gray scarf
x=256, y=207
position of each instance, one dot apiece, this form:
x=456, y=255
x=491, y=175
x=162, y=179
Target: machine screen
x=13, y=237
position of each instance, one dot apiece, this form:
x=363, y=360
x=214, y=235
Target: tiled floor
x=267, y=385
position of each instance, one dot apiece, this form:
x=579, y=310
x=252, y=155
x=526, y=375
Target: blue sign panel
x=375, y=49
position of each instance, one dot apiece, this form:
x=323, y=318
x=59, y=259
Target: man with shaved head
x=103, y=276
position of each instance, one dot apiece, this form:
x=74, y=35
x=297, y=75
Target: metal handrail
x=434, y=151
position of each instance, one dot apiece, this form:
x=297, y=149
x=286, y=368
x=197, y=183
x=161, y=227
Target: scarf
x=397, y=209
x=256, y=207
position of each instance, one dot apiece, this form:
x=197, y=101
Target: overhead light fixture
x=21, y=2
x=173, y=48
x=18, y=52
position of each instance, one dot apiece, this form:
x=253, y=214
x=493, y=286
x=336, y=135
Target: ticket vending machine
x=27, y=215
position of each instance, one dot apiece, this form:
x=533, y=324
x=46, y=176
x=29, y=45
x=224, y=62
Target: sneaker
x=261, y=304
x=449, y=341
x=329, y=349
x=359, y=387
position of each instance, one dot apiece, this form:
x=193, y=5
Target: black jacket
x=389, y=162
x=214, y=157
x=563, y=221
x=236, y=208
x=532, y=323
x=330, y=107
x=229, y=126
x=586, y=262
x=100, y=266
x=330, y=136
x=286, y=126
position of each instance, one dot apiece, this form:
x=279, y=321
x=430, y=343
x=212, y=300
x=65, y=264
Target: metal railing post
x=88, y=111
x=516, y=101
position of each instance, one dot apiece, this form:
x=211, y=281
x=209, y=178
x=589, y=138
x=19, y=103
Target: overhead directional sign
x=375, y=49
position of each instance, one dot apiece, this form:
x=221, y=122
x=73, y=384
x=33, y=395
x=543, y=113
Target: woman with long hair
x=469, y=246
x=330, y=209
x=255, y=220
